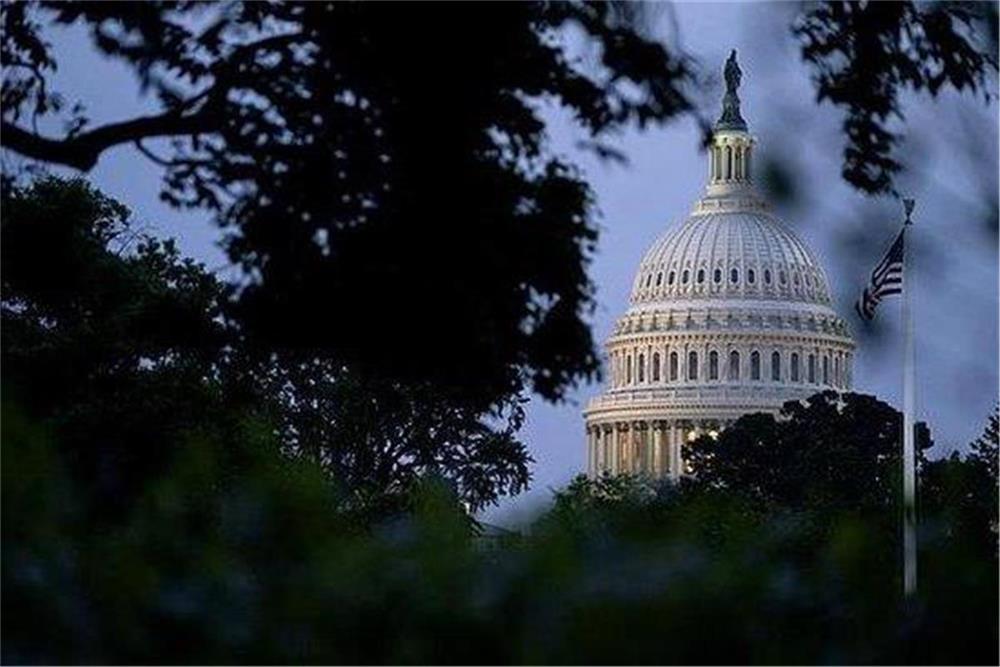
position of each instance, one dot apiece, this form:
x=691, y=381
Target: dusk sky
x=951, y=160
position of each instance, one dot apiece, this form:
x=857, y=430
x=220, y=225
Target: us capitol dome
x=730, y=314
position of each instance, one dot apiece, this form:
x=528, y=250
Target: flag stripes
x=886, y=279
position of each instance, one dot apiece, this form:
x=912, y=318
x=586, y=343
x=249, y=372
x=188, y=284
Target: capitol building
x=730, y=314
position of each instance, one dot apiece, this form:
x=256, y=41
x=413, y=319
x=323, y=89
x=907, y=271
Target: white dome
x=730, y=314
x=746, y=254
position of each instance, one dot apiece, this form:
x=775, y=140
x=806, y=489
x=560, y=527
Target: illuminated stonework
x=730, y=314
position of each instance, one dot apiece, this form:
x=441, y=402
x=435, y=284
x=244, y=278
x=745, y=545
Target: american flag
x=887, y=278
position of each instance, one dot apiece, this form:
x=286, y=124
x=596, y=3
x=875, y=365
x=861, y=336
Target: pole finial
x=908, y=205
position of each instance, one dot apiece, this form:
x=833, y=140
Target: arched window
x=649, y=279
x=795, y=278
x=628, y=369
x=673, y=366
x=685, y=276
x=656, y=367
x=701, y=276
x=812, y=368
x=751, y=277
x=739, y=163
x=734, y=276
x=692, y=365
x=776, y=366
x=836, y=371
x=729, y=163
x=795, y=367
x=755, y=365
x=717, y=276
x=782, y=278
x=670, y=278
x=734, y=365
x=641, y=369
x=767, y=276
x=826, y=369
x=713, y=365
x=659, y=278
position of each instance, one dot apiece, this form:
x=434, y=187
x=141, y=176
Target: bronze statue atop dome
x=731, y=118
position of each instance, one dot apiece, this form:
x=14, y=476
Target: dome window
x=713, y=365
x=767, y=276
x=656, y=367
x=734, y=365
x=692, y=365
x=659, y=278
x=751, y=276
x=808, y=282
x=649, y=279
x=755, y=365
x=628, y=369
x=685, y=277
x=717, y=276
x=826, y=369
x=795, y=367
x=811, y=369
x=776, y=366
x=734, y=276
x=701, y=276
x=673, y=366
x=782, y=278
x=641, y=368
x=795, y=279
x=670, y=278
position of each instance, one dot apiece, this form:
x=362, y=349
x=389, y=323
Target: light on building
x=714, y=435
x=692, y=436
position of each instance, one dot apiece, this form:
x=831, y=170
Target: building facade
x=730, y=313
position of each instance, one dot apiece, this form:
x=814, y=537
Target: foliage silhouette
x=124, y=350
x=864, y=56
x=386, y=151
x=394, y=150
x=832, y=450
x=258, y=567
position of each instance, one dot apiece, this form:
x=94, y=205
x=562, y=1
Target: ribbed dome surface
x=730, y=255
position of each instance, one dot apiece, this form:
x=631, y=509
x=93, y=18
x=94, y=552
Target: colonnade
x=729, y=161
x=642, y=447
x=693, y=362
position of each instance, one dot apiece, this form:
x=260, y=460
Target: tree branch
x=83, y=150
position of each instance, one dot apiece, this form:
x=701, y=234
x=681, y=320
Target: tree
x=960, y=493
x=830, y=452
x=395, y=150
x=125, y=351
x=110, y=338
x=864, y=56
x=381, y=169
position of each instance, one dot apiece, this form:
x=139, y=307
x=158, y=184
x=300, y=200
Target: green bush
x=237, y=554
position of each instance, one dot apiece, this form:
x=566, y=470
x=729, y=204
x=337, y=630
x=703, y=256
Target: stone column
x=657, y=448
x=590, y=448
x=647, y=454
x=613, y=453
x=671, y=439
x=601, y=439
x=682, y=431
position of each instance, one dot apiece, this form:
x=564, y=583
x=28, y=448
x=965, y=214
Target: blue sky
x=950, y=152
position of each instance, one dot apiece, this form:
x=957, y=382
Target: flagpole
x=909, y=450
